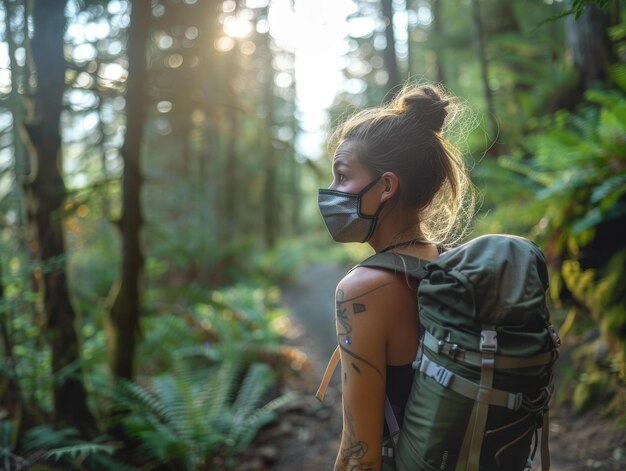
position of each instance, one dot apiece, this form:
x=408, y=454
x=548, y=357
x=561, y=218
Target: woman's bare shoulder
x=363, y=278
x=368, y=282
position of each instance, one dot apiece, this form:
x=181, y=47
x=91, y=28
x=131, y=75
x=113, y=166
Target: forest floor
x=306, y=435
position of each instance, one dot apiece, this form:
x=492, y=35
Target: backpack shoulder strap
x=411, y=266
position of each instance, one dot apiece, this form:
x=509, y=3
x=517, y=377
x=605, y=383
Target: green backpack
x=484, y=369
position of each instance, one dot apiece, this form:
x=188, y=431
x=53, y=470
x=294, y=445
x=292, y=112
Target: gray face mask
x=341, y=212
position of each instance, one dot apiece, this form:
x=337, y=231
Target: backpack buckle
x=449, y=349
x=556, y=340
x=514, y=401
x=442, y=376
x=453, y=350
x=489, y=341
x=387, y=452
x=437, y=372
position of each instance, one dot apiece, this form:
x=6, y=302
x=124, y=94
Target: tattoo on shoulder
x=358, y=308
x=344, y=324
x=341, y=310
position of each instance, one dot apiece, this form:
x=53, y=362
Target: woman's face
x=351, y=176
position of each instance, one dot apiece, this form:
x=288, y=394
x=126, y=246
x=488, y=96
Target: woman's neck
x=394, y=228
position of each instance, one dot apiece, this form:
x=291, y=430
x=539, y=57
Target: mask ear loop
x=360, y=195
x=374, y=218
x=369, y=186
x=374, y=221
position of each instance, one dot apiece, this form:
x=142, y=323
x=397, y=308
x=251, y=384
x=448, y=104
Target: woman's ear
x=392, y=185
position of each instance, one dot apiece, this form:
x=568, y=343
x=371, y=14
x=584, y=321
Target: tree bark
x=17, y=111
x=389, y=54
x=408, y=6
x=437, y=32
x=126, y=308
x=484, y=69
x=590, y=45
x=46, y=195
x=271, y=208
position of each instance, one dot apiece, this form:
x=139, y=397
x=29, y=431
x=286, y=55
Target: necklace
x=404, y=244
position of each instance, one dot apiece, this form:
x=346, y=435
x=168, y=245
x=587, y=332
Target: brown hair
x=406, y=137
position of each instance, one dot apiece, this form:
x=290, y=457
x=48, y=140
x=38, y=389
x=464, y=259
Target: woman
x=400, y=186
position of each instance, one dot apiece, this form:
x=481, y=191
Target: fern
x=220, y=387
x=80, y=450
x=243, y=435
x=612, y=188
x=44, y=444
x=187, y=417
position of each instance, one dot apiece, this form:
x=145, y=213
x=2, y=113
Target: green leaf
x=74, y=451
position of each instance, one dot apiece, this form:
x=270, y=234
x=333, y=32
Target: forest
x=159, y=167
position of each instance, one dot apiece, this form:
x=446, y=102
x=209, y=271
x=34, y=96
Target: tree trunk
x=46, y=195
x=271, y=204
x=484, y=69
x=590, y=45
x=389, y=54
x=125, y=311
x=231, y=190
x=17, y=112
x=436, y=12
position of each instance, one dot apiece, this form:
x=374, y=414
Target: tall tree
x=271, y=204
x=45, y=197
x=17, y=110
x=437, y=32
x=389, y=54
x=589, y=43
x=484, y=68
x=126, y=308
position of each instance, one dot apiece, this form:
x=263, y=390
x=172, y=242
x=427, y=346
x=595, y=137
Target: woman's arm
x=362, y=299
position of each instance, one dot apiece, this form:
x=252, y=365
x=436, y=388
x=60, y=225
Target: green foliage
x=44, y=447
x=572, y=170
x=195, y=417
x=590, y=391
x=604, y=297
x=244, y=317
x=30, y=362
x=569, y=194
x=282, y=262
x=578, y=8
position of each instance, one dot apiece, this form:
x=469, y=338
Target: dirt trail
x=306, y=436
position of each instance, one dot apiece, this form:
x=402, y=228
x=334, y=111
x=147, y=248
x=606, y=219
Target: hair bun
x=425, y=105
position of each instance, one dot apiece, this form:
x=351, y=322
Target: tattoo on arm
x=345, y=329
x=352, y=450
x=354, y=355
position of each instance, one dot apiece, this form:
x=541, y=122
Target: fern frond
x=220, y=387
x=258, y=378
x=618, y=182
x=47, y=437
x=82, y=449
x=136, y=398
x=245, y=431
x=197, y=351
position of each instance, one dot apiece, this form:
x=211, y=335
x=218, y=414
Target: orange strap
x=328, y=374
